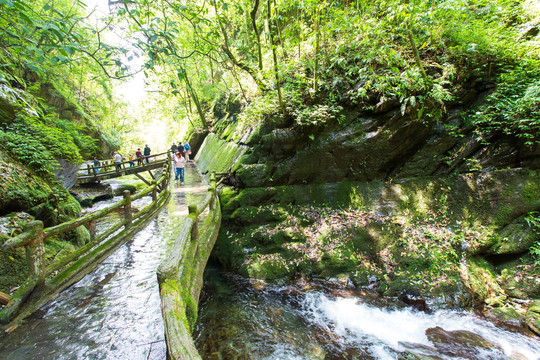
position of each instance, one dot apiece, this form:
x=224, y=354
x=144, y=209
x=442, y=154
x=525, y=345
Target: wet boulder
x=91, y=193
x=414, y=299
x=461, y=344
x=119, y=190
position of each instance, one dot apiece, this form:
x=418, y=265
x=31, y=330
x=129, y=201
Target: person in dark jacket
x=139, y=156
x=146, y=153
x=174, y=148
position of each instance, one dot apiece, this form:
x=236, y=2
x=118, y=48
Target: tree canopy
x=301, y=59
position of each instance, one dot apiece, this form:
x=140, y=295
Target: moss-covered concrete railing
x=45, y=281
x=180, y=276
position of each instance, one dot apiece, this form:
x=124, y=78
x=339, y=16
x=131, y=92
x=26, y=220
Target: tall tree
x=271, y=26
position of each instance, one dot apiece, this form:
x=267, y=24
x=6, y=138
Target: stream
x=239, y=319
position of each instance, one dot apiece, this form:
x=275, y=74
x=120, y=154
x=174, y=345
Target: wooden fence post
x=154, y=190
x=91, y=226
x=127, y=208
x=35, y=251
x=195, y=228
x=212, y=189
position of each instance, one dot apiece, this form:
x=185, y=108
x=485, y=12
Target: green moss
x=481, y=280
x=249, y=215
x=13, y=269
x=268, y=268
x=254, y=175
x=219, y=155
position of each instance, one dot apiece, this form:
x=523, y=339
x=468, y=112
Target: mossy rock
x=288, y=235
x=481, y=280
x=68, y=209
x=532, y=317
x=515, y=238
x=521, y=280
x=78, y=236
x=123, y=187
x=247, y=197
x=255, y=175
x=270, y=268
x=334, y=264
x=250, y=215
x=389, y=286
x=506, y=314
x=13, y=269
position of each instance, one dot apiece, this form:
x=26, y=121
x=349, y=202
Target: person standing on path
x=117, y=161
x=146, y=153
x=187, y=149
x=139, y=156
x=179, y=163
x=96, y=164
x=174, y=147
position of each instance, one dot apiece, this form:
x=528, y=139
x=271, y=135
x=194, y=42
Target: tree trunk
x=274, y=55
x=316, y=58
x=195, y=99
x=253, y=15
x=417, y=56
x=225, y=47
x=280, y=34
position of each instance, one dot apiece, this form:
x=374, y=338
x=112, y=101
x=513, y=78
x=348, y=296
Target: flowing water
x=113, y=312
x=242, y=320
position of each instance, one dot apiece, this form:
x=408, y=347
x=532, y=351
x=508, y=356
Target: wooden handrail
x=112, y=163
x=34, y=236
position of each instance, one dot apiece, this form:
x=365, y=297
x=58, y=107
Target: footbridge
x=109, y=169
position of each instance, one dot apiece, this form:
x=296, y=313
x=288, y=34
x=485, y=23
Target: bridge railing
x=109, y=166
x=180, y=275
x=46, y=280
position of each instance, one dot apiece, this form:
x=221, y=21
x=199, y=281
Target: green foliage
x=514, y=107
x=29, y=151
x=533, y=220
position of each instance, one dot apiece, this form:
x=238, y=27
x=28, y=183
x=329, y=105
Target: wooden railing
x=180, y=275
x=45, y=281
x=108, y=165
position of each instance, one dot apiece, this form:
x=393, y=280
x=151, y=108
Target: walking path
x=113, y=312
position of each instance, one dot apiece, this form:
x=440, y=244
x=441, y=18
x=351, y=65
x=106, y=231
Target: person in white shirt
x=179, y=162
x=117, y=160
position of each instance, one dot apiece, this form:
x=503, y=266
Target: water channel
x=113, y=312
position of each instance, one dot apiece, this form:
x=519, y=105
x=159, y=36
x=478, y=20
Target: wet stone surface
x=113, y=312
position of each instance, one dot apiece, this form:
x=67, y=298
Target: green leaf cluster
x=513, y=108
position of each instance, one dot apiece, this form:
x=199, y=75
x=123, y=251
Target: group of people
x=181, y=154
x=140, y=156
x=180, y=151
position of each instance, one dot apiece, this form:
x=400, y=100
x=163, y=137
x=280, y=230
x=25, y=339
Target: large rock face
x=384, y=200
x=376, y=146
